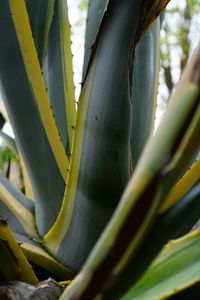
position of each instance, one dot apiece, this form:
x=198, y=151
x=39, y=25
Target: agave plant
x=102, y=194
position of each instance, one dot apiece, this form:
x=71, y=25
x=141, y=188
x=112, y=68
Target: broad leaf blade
x=9, y=270
x=176, y=268
x=6, y=237
x=37, y=255
x=144, y=89
x=168, y=225
x=165, y=156
x=183, y=186
x=58, y=74
x=100, y=164
x=17, y=209
x=40, y=15
x=28, y=189
x=47, y=182
x=145, y=76
x=33, y=71
x=94, y=15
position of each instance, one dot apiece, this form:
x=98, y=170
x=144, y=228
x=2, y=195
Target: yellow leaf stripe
x=23, y=215
x=66, y=57
x=182, y=187
x=50, y=13
x=56, y=234
x=27, y=273
x=40, y=257
x=31, y=63
x=26, y=180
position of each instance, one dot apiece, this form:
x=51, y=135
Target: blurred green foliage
x=6, y=155
x=83, y=4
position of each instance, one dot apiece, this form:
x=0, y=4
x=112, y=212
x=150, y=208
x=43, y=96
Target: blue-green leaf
x=58, y=74
x=144, y=89
x=40, y=15
x=94, y=15
x=17, y=209
x=32, y=142
x=165, y=156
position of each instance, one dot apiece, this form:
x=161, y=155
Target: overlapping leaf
x=13, y=264
x=165, y=156
x=58, y=74
x=176, y=268
x=100, y=163
x=144, y=89
x=168, y=225
x=17, y=209
x=19, y=88
x=40, y=15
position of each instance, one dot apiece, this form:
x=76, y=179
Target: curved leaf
x=40, y=15
x=36, y=254
x=144, y=89
x=9, y=270
x=47, y=182
x=26, y=180
x=100, y=164
x=183, y=186
x=145, y=76
x=94, y=15
x=176, y=268
x=58, y=74
x=173, y=223
x=164, y=158
x=17, y=208
x=7, y=239
x=33, y=72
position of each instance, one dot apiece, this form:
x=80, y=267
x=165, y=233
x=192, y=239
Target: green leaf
x=145, y=77
x=144, y=89
x=17, y=209
x=58, y=74
x=100, y=163
x=12, y=259
x=94, y=15
x=9, y=270
x=162, y=161
x=168, y=225
x=182, y=186
x=37, y=255
x=30, y=60
x=28, y=189
x=176, y=268
x=40, y=15
x=32, y=142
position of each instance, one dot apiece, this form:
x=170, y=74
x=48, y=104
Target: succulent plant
x=103, y=193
